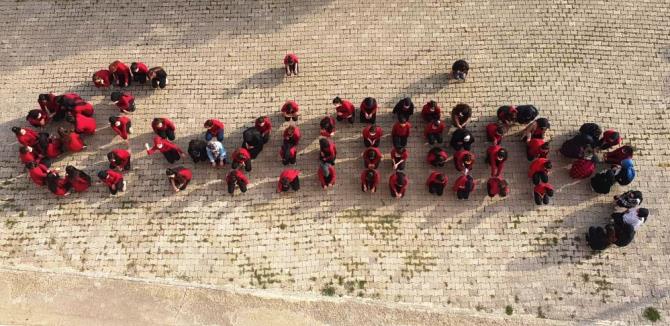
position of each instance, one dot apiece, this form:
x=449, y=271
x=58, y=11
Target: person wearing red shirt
x=327, y=125
x=539, y=170
x=369, y=180
x=400, y=133
x=371, y=157
x=121, y=125
x=125, y=101
x=242, y=158
x=79, y=180
x=119, y=159
x=82, y=124
x=496, y=157
x=37, y=172
x=57, y=185
x=542, y=193
x=164, y=128
x=291, y=64
x=179, y=177
x=26, y=136
x=433, y=132
x=507, y=114
x=288, y=180
x=398, y=184
x=288, y=154
x=291, y=135
x=372, y=135
x=328, y=151
x=264, y=126
x=171, y=152
x=54, y=147
x=72, y=141
x=495, y=132
x=619, y=154
x=27, y=154
x=236, y=178
x=437, y=157
x=214, y=129
x=497, y=186
x=103, y=78
x=460, y=115
x=536, y=147
x=38, y=118
x=121, y=73
x=345, y=110
x=399, y=158
x=436, y=183
x=327, y=175
x=536, y=129
x=368, y=110
x=463, y=186
x=610, y=139
x=84, y=108
x=464, y=160
x=431, y=111
x=290, y=110
x=113, y=180
x=140, y=72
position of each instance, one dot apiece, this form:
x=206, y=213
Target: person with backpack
x=368, y=110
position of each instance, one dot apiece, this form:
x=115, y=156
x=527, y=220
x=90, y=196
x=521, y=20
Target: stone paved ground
x=578, y=61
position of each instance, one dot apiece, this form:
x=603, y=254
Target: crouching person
x=113, y=180
x=236, y=178
x=179, y=177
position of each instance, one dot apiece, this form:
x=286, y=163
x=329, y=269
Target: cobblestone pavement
x=578, y=61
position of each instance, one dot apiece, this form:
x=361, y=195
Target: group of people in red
x=38, y=149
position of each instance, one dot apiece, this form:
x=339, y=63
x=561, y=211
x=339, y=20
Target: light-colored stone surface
x=577, y=61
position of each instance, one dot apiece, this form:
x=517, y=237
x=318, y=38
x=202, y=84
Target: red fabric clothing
x=432, y=156
x=326, y=133
x=582, y=169
x=50, y=105
x=74, y=142
x=125, y=102
x=106, y=77
x=374, y=163
x=400, y=130
x=167, y=125
x=493, y=187
x=123, y=158
x=292, y=57
x=54, y=148
x=167, y=146
x=216, y=126
x=39, y=122
x=292, y=152
x=122, y=128
x=266, y=127
x=607, y=135
x=372, y=138
x=79, y=184
x=185, y=173
x=375, y=179
x=537, y=132
x=120, y=69
x=113, y=178
x=542, y=188
x=141, y=68
x=240, y=177
x=534, y=148
x=368, y=111
x=29, y=138
x=345, y=110
x=84, y=125
x=396, y=157
x=491, y=133
x=507, y=116
x=27, y=157
x=288, y=174
x=537, y=166
x=84, y=108
x=62, y=187
x=295, y=136
x=459, y=160
x=432, y=130
x=429, y=115
x=492, y=156
x=322, y=178
x=461, y=183
x=432, y=179
x=331, y=154
x=618, y=155
x=290, y=108
x=39, y=174
x=394, y=187
x=241, y=155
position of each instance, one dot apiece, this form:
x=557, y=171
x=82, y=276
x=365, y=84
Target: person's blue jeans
x=219, y=136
